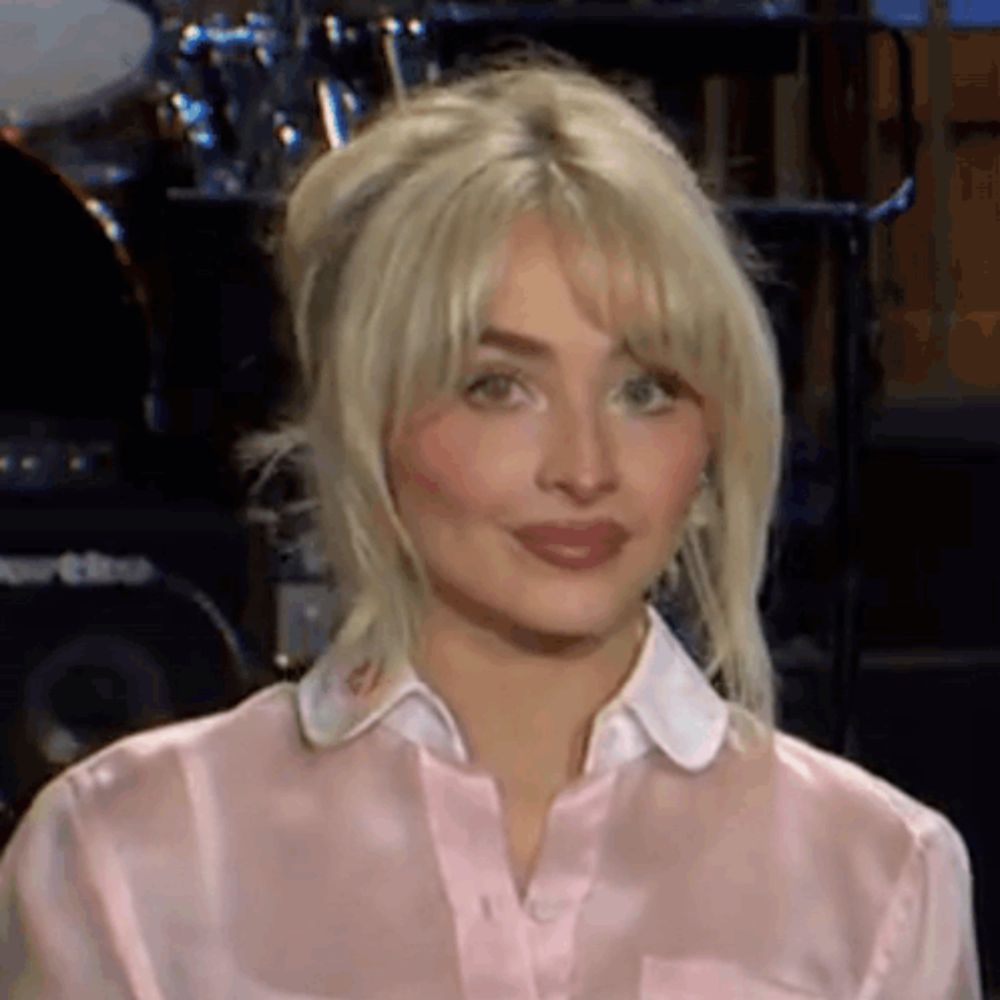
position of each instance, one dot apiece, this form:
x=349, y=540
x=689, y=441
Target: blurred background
x=145, y=148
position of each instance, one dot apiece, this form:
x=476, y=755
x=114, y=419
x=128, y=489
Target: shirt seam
x=96, y=857
x=898, y=915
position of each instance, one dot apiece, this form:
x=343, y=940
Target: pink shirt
x=316, y=841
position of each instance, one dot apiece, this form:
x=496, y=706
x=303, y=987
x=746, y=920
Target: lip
x=576, y=557
x=604, y=534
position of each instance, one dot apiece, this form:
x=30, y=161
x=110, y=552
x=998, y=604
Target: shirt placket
x=466, y=828
x=508, y=951
x=567, y=867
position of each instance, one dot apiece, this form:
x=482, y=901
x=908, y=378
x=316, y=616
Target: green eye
x=495, y=387
x=666, y=383
x=474, y=388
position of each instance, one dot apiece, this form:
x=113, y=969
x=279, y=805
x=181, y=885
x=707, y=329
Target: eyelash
x=669, y=382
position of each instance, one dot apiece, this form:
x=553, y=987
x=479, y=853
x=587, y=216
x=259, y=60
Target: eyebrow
x=528, y=347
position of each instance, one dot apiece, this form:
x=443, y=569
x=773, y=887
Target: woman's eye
x=666, y=384
x=504, y=380
x=656, y=391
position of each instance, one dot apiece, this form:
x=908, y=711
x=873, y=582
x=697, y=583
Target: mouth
x=572, y=557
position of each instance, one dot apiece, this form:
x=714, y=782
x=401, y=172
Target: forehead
x=554, y=289
x=539, y=347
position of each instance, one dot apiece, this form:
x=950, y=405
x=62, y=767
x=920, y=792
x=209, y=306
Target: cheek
x=454, y=471
x=667, y=476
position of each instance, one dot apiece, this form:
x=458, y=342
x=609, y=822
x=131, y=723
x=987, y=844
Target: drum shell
x=75, y=316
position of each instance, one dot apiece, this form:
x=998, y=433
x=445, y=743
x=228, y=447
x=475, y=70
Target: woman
x=537, y=389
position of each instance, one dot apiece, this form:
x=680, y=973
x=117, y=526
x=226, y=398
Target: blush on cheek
x=422, y=479
x=417, y=465
x=430, y=480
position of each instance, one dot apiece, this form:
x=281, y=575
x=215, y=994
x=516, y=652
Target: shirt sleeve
x=57, y=933
x=926, y=945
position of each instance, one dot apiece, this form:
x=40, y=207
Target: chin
x=567, y=604
x=566, y=610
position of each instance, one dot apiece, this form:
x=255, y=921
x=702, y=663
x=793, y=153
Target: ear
x=700, y=511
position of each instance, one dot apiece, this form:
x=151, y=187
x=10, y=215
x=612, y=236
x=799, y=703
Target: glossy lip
x=577, y=534
x=576, y=557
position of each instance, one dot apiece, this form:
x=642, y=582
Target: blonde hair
x=389, y=258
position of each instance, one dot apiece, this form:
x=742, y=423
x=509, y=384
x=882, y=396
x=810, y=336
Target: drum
x=76, y=329
x=62, y=58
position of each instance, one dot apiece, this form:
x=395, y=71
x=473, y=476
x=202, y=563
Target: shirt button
x=545, y=910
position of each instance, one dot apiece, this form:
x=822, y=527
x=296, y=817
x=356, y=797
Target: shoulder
x=895, y=871
x=822, y=816
x=171, y=766
x=847, y=808
x=850, y=857
x=833, y=781
x=255, y=721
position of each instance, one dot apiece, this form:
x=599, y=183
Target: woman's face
x=552, y=425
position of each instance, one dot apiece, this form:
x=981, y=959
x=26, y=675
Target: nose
x=579, y=458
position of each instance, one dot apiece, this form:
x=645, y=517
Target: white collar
x=666, y=702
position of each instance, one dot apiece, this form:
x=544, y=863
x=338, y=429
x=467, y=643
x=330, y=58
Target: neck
x=525, y=704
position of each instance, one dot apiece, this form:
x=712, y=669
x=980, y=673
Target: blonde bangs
x=446, y=294
x=652, y=278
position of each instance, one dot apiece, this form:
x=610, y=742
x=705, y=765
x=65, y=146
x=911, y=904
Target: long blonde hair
x=389, y=258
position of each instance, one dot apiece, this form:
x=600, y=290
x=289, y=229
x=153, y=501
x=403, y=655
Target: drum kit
x=109, y=110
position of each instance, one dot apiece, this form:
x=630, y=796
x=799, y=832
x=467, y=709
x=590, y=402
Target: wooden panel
x=962, y=354
x=975, y=213
x=974, y=349
x=975, y=58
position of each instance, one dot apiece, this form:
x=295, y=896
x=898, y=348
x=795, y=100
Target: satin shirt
x=332, y=839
